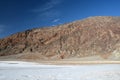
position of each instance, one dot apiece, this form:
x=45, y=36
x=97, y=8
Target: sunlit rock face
x=91, y=36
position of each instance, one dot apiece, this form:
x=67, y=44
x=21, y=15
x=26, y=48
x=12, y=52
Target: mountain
x=93, y=36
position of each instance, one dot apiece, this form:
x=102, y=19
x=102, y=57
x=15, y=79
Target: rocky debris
x=92, y=36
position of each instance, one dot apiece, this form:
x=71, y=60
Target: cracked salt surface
x=17, y=70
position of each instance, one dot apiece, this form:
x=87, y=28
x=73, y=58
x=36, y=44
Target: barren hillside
x=92, y=36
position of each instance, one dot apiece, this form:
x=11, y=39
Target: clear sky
x=20, y=15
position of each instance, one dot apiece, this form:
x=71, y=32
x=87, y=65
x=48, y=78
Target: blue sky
x=20, y=15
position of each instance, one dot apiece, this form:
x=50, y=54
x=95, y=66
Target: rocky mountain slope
x=92, y=36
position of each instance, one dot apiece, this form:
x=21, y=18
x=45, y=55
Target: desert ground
x=21, y=70
x=87, y=68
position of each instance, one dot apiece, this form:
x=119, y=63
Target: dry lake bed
x=18, y=70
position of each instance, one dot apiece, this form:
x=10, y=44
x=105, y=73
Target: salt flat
x=18, y=70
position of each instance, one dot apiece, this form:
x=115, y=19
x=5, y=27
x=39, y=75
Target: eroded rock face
x=91, y=36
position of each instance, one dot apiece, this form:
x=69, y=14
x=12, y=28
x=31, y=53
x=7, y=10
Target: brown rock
x=88, y=37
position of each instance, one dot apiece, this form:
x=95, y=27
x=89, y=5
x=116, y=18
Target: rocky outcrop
x=88, y=37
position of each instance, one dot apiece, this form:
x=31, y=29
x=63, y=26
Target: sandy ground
x=68, y=61
x=65, y=62
x=18, y=70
